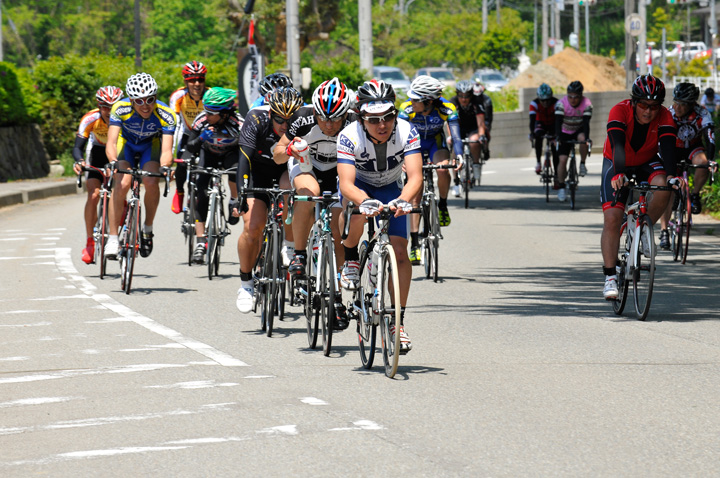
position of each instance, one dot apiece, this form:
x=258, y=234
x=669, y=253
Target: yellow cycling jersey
x=93, y=127
x=185, y=107
x=137, y=130
x=430, y=125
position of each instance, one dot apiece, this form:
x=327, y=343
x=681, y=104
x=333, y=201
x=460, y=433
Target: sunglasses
x=104, y=105
x=211, y=113
x=330, y=120
x=279, y=120
x=465, y=96
x=144, y=101
x=573, y=97
x=386, y=118
x=195, y=80
x=647, y=106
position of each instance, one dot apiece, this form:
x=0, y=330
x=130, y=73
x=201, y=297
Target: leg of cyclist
x=350, y=276
x=180, y=175
x=152, y=199
x=583, y=154
x=538, y=141
x=612, y=222
x=248, y=247
x=664, y=242
x=455, y=176
x=121, y=186
x=442, y=156
x=288, y=248
x=699, y=180
x=201, y=209
x=305, y=184
x=561, y=171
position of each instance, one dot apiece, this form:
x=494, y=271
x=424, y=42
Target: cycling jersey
x=467, y=117
x=710, y=103
x=355, y=147
x=224, y=137
x=257, y=141
x=94, y=128
x=691, y=126
x=573, y=119
x=486, y=103
x=323, y=149
x=430, y=127
x=542, y=115
x=136, y=130
x=639, y=142
x=185, y=108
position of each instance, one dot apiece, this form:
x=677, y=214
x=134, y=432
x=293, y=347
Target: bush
x=18, y=102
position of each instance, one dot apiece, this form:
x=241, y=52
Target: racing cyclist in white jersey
x=371, y=154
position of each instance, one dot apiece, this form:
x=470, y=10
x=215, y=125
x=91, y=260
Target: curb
x=24, y=192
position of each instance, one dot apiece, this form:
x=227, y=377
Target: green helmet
x=218, y=99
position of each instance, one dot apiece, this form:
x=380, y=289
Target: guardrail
x=702, y=82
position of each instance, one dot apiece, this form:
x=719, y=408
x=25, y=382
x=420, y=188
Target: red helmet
x=647, y=87
x=108, y=95
x=194, y=69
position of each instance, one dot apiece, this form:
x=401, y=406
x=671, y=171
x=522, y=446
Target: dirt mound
x=596, y=73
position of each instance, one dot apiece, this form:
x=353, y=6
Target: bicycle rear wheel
x=388, y=308
x=572, y=181
x=327, y=295
x=312, y=312
x=131, y=247
x=271, y=288
x=435, y=245
x=547, y=176
x=688, y=225
x=189, y=223
x=467, y=180
x=366, y=327
x=677, y=226
x=644, y=271
x=212, y=231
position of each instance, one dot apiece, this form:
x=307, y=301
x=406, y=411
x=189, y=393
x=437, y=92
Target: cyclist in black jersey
x=471, y=116
x=262, y=129
x=487, y=105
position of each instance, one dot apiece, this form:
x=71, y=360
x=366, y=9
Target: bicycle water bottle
x=304, y=150
x=315, y=250
x=372, y=266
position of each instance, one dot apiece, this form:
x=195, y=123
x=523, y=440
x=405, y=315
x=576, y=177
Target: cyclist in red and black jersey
x=635, y=129
x=542, y=122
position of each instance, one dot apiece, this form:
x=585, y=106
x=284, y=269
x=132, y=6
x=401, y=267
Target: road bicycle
x=188, y=225
x=547, y=174
x=216, y=225
x=101, y=228
x=376, y=302
x=129, y=236
x=637, y=262
x=470, y=173
x=573, y=178
x=430, y=234
x=269, y=272
x=680, y=223
x=318, y=289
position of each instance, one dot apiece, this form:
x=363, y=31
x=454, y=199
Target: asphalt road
x=519, y=367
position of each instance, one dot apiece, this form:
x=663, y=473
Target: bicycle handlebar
x=643, y=186
x=386, y=213
x=327, y=198
x=438, y=166
x=89, y=168
x=141, y=173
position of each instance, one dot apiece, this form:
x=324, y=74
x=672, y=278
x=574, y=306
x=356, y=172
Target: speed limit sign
x=633, y=24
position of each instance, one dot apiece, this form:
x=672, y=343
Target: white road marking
x=31, y=311
x=36, y=324
x=13, y=359
x=360, y=425
x=12, y=258
x=194, y=385
x=80, y=372
x=280, y=430
x=313, y=401
x=36, y=401
x=66, y=267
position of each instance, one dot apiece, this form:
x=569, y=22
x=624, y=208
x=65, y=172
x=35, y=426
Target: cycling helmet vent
x=647, y=87
x=464, y=86
x=375, y=91
x=141, y=85
x=194, y=69
x=285, y=101
x=425, y=88
x=332, y=99
x=219, y=99
x=544, y=92
x=108, y=95
x=274, y=81
x=575, y=87
x=686, y=93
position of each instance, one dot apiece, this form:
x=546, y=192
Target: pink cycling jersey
x=573, y=117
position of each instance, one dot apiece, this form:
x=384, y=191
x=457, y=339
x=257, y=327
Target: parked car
x=693, y=48
x=394, y=76
x=493, y=80
x=443, y=74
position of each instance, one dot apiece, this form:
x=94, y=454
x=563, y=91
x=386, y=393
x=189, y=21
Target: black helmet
x=375, y=90
x=647, y=87
x=710, y=93
x=575, y=87
x=686, y=92
x=274, y=81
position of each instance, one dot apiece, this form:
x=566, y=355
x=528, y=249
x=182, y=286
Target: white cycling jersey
x=355, y=147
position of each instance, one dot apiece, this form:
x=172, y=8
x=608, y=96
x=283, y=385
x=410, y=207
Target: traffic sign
x=634, y=24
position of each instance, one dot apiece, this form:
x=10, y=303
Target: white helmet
x=332, y=99
x=425, y=88
x=141, y=85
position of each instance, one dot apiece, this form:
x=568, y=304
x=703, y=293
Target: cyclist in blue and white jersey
x=372, y=153
x=428, y=111
x=139, y=126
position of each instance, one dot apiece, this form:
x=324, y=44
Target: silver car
x=394, y=76
x=493, y=80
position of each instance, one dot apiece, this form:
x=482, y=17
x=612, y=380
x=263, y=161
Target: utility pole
x=545, y=29
x=138, y=57
x=484, y=15
x=558, y=34
x=365, y=35
x=629, y=48
x=292, y=35
x=1, y=50
x=576, y=21
x=498, y=5
x=587, y=27
x=642, y=43
x=534, y=28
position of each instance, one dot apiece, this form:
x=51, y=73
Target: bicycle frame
x=101, y=228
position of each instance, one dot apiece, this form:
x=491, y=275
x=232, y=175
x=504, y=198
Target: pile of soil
x=597, y=73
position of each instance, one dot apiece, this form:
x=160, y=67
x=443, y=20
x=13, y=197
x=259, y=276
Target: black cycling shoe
x=341, y=321
x=695, y=203
x=298, y=265
x=146, y=244
x=664, y=240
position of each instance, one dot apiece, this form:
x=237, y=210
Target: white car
x=393, y=76
x=443, y=74
x=493, y=80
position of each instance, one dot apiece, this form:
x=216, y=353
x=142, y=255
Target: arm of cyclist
x=282, y=148
x=413, y=169
x=559, y=118
x=454, y=126
x=166, y=151
x=77, y=152
x=709, y=137
x=616, y=136
x=667, y=151
x=348, y=189
x=111, y=146
x=586, y=126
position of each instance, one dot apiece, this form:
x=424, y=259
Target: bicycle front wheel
x=189, y=223
x=644, y=272
x=131, y=246
x=435, y=245
x=572, y=181
x=264, y=278
x=386, y=303
x=619, y=303
x=271, y=288
x=366, y=327
x=467, y=180
x=547, y=176
x=212, y=232
x=327, y=291
x=688, y=225
x=102, y=233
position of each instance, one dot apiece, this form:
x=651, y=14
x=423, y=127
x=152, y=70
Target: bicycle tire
x=547, y=176
x=623, y=284
x=271, y=291
x=467, y=180
x=572, y=181
x=388, y=308
x=327, y=296
x=312, y=313
x=189, y=223
x=263, y=283
x=211, y=231
x=483, y=158
x=102, y=233
x=132, y=245
x=677, y=227
x=435, y=243
x=644, y=271
x=426, y=233
x=688, y=225
x=366, y=326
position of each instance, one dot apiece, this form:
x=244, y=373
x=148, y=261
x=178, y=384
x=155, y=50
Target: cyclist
x=94, y=127
x=542, y=122
x=187, y=103
x=694, y=123
x=140, y=126
x=471, y=116
x=372, y=153
x=319, y=126
x=637, y=128
x=269, y=84
x=487, y=105
x=263, y=127
x=710, y=101
x=572, y=123
x=214, y=136
x=428, y=112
